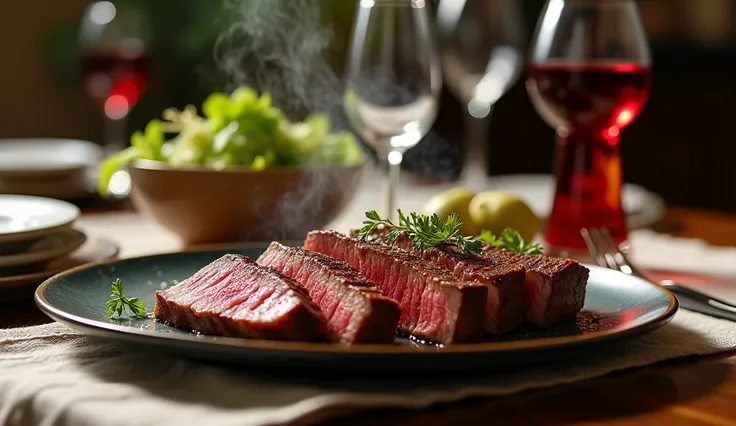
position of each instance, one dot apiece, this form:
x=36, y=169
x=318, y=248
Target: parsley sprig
x=510, y=240
x=430, y=231
x=423, y=231
x=118, y=302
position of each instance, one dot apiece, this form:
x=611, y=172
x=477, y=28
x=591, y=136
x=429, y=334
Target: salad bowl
x=204, y=206
x=241, y=171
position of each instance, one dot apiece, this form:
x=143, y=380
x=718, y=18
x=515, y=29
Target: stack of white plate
x=38, y=239
x=57, y=168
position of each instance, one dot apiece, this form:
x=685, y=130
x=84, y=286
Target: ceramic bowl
x=205, y=206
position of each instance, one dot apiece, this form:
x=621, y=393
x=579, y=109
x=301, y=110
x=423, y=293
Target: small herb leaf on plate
x=118, y=302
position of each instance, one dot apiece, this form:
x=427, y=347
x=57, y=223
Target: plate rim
x=93, y=149
x=40, y=231
x=505, y=347
x=24, y=280
x=74, y=239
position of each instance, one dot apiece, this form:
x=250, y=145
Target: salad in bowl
x=241, y=171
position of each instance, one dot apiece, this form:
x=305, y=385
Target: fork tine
x=607, y=249
x=623, y=260
x=593, y=248
x=614, y=250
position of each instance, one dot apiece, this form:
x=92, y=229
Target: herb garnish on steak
x=554, y=288
x=434, y=305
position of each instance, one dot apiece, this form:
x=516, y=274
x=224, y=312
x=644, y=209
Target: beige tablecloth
x=52, y=375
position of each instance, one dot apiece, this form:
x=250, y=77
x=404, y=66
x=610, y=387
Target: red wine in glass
x=595, y=101
x=115, y=78
x=588, y=78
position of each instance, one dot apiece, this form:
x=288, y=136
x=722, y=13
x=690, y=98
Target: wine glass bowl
x=482, y=50
x=588, y=78
x=114, y=62
x=393, y=81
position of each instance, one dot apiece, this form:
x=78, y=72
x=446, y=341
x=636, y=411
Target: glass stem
x=114, y=133
x=475, y=163
x=392, y=164
x=588, y=189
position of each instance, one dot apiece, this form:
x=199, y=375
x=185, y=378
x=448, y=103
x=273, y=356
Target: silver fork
x=609, y=255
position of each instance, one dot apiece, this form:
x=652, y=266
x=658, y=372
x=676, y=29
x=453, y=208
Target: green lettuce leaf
x=242, y=129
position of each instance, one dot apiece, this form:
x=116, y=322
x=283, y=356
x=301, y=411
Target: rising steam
x=279, y=46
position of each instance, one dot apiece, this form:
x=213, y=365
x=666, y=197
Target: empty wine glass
x=482, y=49
x=393, y=81
x=589, y=77
x=114, y=63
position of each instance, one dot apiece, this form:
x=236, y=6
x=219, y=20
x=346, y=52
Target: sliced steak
x=380, y=234
x=434, y=305
x=355, y=309
x=505, y=302
x=234, y=296
x=554, y=287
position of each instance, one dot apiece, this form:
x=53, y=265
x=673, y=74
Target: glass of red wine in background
x=588, y=78
x=114, y=61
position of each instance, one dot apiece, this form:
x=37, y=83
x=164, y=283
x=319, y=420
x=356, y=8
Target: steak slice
x=504, y=310
x=234, y=296
x=355, y=309
x=505, y=304
x=434, y=305
x=554, y=287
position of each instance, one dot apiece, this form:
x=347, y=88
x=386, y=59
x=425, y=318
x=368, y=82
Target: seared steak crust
x=554, y=287
x=434, y=305
x=505, y=303
x=355, y=309
x=234, y=296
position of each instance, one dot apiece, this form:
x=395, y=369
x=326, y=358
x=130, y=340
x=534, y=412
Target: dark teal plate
x=616, y=306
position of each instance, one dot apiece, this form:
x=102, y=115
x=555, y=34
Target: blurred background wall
x=680, y=147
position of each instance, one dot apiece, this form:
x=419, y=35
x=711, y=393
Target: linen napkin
x=691, y=255
x=52, y=374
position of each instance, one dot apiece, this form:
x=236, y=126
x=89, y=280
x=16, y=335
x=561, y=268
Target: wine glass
x=114, y=61
x=393, y=81
x=482, y=49
x=588, y=78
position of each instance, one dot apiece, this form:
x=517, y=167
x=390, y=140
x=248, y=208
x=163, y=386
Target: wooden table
x=698, y=391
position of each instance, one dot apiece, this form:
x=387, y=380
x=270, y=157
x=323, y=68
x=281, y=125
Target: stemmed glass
x=588, y=77
x=114, y=61
x=393, y=81
x=482, y=49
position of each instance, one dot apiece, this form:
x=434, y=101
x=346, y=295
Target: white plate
x=23, y=217
x=34, y=157
x=642, y=207
x=47, y=248
x=56, y=168
x=21, y=286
